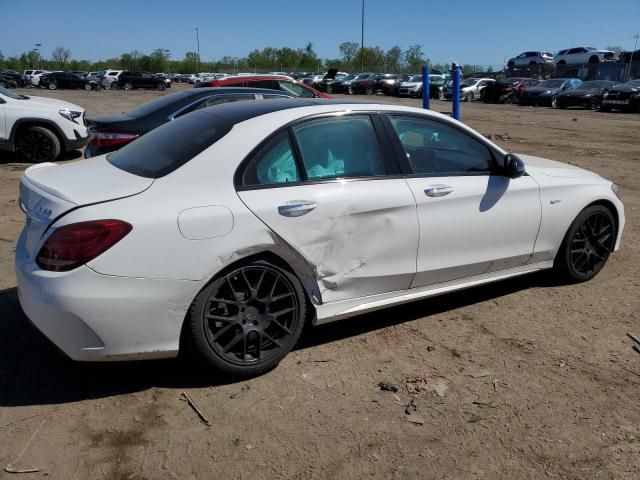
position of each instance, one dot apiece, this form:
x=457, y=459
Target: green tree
x=371, y=57
x=393, y=59
x=349, y=50
x=414, y=57
x=158, y=60
x=190, y=62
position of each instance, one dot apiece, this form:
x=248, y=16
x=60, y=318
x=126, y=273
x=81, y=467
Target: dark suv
x=130, y=80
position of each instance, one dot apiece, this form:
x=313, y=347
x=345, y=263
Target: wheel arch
x=312, y=295
x=611, y=207
x=23, y=123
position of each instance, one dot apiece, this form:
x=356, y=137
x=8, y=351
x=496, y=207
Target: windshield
x=592, y=86
x=10, y=94
x=163, y=150
x=416, y=78
x=551, y=84
x=510, y=81
x=155, y=105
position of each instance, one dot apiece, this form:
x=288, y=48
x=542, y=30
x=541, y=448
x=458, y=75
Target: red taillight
x=73, y=245
x=108, y=139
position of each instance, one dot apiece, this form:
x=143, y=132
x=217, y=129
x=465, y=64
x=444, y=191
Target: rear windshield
x=157, y=104
x=167, y=148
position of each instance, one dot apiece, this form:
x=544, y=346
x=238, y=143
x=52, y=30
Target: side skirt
x=330, y=312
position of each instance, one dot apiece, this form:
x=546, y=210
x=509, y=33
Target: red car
x=273, y=82
x=507, y=90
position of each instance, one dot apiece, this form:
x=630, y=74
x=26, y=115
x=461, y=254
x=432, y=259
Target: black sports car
x=545, y=93
x=623, y=97
x=588, y=95
x=107, y=134
x=55, y=80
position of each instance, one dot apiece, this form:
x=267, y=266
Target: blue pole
x=425, y=87
x=456, y=92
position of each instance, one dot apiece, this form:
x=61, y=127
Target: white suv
x=530, y=58
x=39, y=128
x=578, y=55
x=110, y=79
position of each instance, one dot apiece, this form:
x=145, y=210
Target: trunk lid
x=49, y=190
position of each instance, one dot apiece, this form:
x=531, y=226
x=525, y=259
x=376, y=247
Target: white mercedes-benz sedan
x=228, y=230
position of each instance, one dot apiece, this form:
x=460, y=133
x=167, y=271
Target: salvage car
x=229, y=230
x=412, y=87
x=271, y=82
x=531, y=58
x=507, y=90
x=577, y=55
x=625, y=97
x=587, y=95
x=470, y=88
x=130, y=80
x=112, y=132
x=546, y=92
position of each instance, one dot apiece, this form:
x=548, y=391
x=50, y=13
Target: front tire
x=246, y=321
x=587, y=245
x=128, y=86
x=369, y=91
x=38, y=144
x=161, y=87
x=53, y=85
x=594, y=104
x=88, y=86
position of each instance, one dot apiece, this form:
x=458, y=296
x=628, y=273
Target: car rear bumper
x=95, y=317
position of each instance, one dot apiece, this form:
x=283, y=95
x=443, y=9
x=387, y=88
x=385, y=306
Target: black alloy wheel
x=246, y=321
x=588, y=244
x=594, y=104
x=38, y=144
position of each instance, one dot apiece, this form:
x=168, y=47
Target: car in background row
x=13, y=79
x=372, y=83
x=271, y=82
x=531, y=58
x=130, y=80
x=342, y=84
x=588, y=95
x=470, y=88
x=578, y=55
x=40, y=129
x=55, y=80
x=507, y=90
x=110, y=79
x=546, y=92
x=625, y=97
x=34, y=78
x=628, y=57
x=412, y=87
x=110, y=133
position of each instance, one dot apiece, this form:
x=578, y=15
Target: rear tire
x=161, y=87
x=231, y=324
x=88, y=86
x=128, y=86
x=594, y=104
x=369, y=91
x=53, y=85
x=587, y=245
x=113, y=86
x=38, y=144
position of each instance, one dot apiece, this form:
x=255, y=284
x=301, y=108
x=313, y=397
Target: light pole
x=362, y=40
x=198, y=44
x=37, y=50
x=635, y=46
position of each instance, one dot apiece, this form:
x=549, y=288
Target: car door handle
x=438, y=190
x=296, y=208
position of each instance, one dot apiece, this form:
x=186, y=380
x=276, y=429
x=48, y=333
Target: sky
x=480, y=32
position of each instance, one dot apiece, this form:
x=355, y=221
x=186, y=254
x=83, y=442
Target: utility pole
x=635, y=46
x=362, y=40
x=198, y=44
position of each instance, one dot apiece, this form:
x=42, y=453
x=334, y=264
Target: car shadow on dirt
x=14, y=157
x=34, y=372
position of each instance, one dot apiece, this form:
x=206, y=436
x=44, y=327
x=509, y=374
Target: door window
x=295, y=89
x=434, y=148
x=274, y=164
x=339, y=147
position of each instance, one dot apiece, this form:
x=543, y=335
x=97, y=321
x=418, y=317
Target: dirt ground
x=515, y=380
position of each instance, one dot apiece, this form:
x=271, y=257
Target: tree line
x=352, y=58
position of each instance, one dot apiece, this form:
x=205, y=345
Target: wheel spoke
x=271, y=339
x=282, y=312
x=232, y=342
x=221, y=318
x=222, y=331
x=282, y=327
x=280, y=297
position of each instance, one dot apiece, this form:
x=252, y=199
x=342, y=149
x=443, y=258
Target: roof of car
x=253, y=77
x=237, y=112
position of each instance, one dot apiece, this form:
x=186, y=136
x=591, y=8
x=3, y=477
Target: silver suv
x=110, y=79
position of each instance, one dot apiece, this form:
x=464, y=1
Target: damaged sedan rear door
x=329, y=186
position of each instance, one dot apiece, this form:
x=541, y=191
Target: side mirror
x=514, y=167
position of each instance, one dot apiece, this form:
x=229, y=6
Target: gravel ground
x=519, y=379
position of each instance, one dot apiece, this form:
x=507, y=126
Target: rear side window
x=163, y=150
x=274, y=164
x=295, y=89
x=340, y=147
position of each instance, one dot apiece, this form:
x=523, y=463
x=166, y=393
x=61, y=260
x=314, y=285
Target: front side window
x=273, y=165
x=295, y=89
x=339, y=147
x=434, y=148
